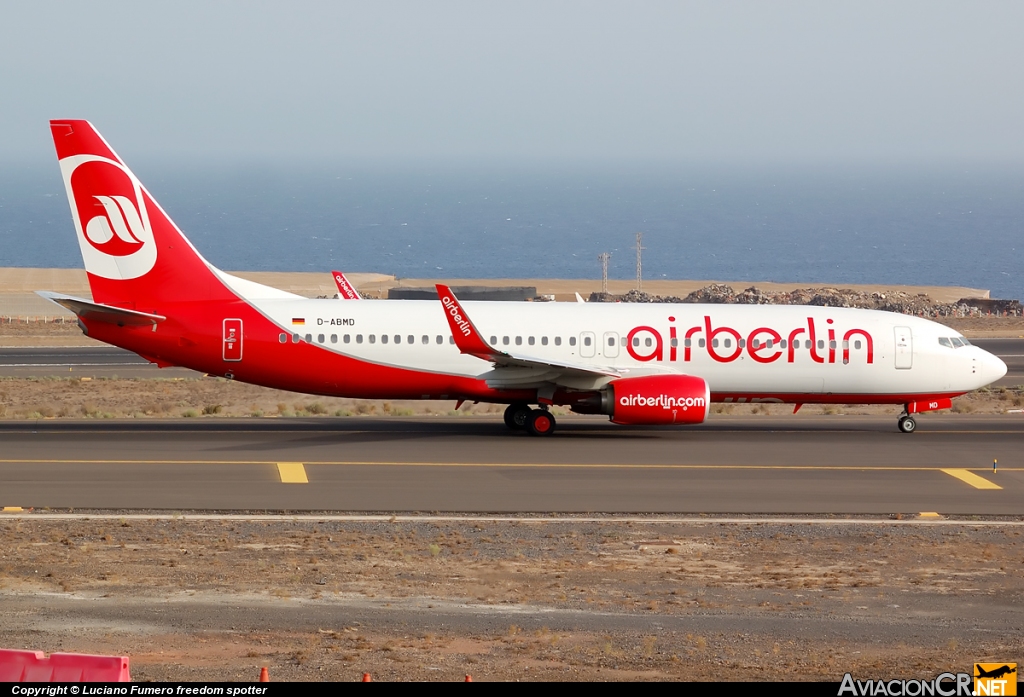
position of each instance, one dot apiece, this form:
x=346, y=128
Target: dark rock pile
x=893, y=301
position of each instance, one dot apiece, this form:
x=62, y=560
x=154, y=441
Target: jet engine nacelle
x=659, y=399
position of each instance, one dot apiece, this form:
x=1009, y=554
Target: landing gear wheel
x=540, y=423
x=907, y=424
x=516, y=416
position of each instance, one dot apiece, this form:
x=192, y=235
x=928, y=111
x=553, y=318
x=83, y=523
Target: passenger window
x=832, y=344
x=283, y=338
x=622, y=341
x=543, y=341
x=531, y=341
x=334, y=338
x=701, y=343
x=425, y=339
x=410, y=339
x=383, y=338
x=451, y=339
x=519, y=341
x=586, y=341
x=572, y=341
x=687, y=343
x=728, y=343
x=558, y=341
x=494, y=340
x=611, y=341
x=769, y=343
x=348, y=338
x=741, y=343
x=636, y=342
x=320, y=338
x=943, y=341
x=309, y=338
x=856, y=344
x=782, y=344
x=440, y=339
x=359, y=338
x=755, y=344
x=648, y=341
x=821, y=343
x=373, y=338
x=504, y=340
x=398, y=338
x=846, y=345
x=714, y=343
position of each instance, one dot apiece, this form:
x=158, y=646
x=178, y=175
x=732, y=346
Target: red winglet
x=346, y=290
x=467, y=338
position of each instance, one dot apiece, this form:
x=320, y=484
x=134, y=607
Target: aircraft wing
x=471, y=342
x=102, y=313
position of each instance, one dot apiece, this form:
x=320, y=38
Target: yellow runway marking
x=292, y=473
x=972, y=479
x=524, y=465
x=13, y=509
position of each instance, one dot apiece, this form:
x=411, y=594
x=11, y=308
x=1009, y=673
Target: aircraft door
x=904, y=348
x=232, y=340
x=588, y=344
x=610, y=348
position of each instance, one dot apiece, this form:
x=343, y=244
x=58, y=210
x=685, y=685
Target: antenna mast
x=603, y=257
x=639, y=264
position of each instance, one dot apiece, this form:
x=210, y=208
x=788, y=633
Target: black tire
x=540, y=423
x=907, y=424
x=516, y=416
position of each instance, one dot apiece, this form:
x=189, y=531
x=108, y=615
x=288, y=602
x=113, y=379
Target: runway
x=768, y=465
x=108, y=361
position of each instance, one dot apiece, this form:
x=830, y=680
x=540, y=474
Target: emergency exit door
x=232, y=340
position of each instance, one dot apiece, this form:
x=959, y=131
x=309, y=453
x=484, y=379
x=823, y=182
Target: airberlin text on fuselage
x=763, y=345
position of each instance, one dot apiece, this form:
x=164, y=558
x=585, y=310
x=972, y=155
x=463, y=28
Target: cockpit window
x=964, y=341
x=943, y=341
x=958, y=342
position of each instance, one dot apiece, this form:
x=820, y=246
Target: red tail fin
x=136, y=257
x=346, y=290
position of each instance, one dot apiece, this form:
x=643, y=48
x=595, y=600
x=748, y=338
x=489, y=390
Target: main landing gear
x=537, y=422
x=906, y=423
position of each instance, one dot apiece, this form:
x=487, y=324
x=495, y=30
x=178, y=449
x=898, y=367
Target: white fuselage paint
x=934, y=368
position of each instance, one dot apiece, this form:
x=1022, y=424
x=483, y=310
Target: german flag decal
x=299, y=320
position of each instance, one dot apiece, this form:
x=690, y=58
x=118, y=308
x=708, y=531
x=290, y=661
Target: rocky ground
x=513, y=600
x=919, y=304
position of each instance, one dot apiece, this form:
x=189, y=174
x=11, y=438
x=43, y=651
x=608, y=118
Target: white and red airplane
x=154, y=294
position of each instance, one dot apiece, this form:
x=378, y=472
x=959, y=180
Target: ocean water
x=836, y=225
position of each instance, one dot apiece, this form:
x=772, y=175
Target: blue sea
x=836, y=225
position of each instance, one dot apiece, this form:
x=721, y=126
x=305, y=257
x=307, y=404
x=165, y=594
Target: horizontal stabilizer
x=86, y=309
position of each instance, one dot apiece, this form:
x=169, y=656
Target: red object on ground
x=366, y=677
x=469, y=678
x=264, y=674
x=34, y=666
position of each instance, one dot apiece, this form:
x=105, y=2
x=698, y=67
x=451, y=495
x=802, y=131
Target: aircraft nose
x=990, y=367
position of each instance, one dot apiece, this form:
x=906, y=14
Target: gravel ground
x=508, y=600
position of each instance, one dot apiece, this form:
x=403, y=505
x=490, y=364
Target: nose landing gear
x=906, y=423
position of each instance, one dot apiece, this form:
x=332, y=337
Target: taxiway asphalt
x=758, y=464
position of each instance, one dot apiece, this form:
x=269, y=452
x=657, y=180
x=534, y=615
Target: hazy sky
x=724, y=81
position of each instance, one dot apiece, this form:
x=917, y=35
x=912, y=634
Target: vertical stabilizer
x=135, y=256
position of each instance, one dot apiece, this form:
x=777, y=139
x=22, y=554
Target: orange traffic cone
x=366, y=677
x=264, y=675
x=469, y=678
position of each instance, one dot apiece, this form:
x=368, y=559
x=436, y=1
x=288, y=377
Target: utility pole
x=639, y=264
x=603, y=257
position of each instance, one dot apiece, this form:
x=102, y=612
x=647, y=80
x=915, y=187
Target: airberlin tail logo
x=110, y=216
x=115, y=231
